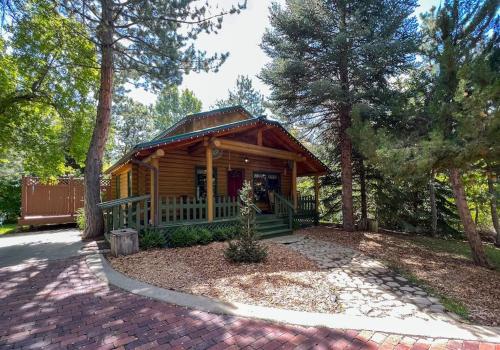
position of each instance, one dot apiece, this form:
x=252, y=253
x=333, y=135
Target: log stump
x=124, y=242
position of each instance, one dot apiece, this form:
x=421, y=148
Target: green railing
x=282, y=207
x=306, y=213
x=130, y=212
x=226, y=208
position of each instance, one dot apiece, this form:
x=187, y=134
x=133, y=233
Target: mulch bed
x=286, y=280
x=449, y=274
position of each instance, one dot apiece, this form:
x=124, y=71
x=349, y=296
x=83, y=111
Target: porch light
x=246, y=160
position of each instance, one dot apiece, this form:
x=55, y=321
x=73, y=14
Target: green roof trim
x=203, y=115
x=200, y=133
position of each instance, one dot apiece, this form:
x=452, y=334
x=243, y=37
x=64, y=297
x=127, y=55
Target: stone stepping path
x=365, y=286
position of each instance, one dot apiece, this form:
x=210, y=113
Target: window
x=264, y=183
x=129, y=184
x=117, y=186
x=201, y=182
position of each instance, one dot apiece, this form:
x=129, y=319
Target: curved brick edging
x=434, y=328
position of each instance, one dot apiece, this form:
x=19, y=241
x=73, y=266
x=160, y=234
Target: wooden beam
x=259, y=137
x=210, y=187
x=246, y=148
x=158, y=153
x=294, y=184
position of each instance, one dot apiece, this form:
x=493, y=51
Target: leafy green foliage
x=80, y=219
x=46, y=81
x=172, y=105
x=225, y=233
x=186, y=236
x=10, y=197
x=244, y=95
x=151, y=238
x=246, y=249
x=132, y=124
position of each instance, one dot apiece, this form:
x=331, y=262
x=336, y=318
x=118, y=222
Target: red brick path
x=59, y=304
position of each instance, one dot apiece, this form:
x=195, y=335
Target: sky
x=240, y=36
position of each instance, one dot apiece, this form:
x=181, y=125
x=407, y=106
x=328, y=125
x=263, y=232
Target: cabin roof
x=202, y=115
x=158, y=142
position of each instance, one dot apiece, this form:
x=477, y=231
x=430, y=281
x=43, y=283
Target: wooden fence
x=53, y=203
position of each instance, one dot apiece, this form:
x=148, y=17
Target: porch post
x=316, y=197
x=294, y=184
x=210, y=188
x=154, y=190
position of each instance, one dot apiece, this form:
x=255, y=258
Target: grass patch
x=7, y=228
x=449, y=303
x=458, y=247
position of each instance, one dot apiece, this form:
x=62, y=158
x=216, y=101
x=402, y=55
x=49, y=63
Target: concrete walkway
x=18, y=248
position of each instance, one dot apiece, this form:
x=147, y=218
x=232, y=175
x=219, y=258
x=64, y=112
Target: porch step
x=271, y=226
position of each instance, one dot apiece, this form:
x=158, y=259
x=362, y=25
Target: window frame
x=196, y=184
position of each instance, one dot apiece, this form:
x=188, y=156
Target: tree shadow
x=60, y=303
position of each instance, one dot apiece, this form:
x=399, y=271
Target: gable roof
x=158, y=142
x=202, y=115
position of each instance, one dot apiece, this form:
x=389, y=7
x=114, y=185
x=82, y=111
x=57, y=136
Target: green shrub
x=225, y=233
x=204, y=236
x=245, y=252
x=80, y=219
x=151, y=238
x=183, y=236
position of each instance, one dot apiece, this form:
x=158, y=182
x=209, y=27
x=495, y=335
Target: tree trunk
x=362, y=183
x=476, y=214
x=477, y=249
x=432, y=194
x=94, y=224
x=493, y=206
x=345, y=139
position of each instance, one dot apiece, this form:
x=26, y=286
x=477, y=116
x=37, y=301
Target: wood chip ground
x=286, y=280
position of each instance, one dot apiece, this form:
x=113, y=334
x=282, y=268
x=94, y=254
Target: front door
x=234, y=182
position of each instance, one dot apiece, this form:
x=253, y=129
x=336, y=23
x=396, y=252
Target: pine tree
x=328, y=57
x=246, y=249
x=244, y=95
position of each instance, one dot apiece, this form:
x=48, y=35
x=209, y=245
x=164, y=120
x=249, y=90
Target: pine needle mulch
x=286, y=280
x=450, y=275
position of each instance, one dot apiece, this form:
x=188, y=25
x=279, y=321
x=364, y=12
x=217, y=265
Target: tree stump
x=124, y=242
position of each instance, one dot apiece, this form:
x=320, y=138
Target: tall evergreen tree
x=459, y=113
x=329, y=56
x=244, y=95
x=173, y=105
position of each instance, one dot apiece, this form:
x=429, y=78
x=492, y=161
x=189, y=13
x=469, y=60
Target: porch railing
x=306, y=213
x=130, y=212
x=283, y=208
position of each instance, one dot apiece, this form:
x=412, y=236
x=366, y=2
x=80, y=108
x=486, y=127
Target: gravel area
x=286, y=280
x=449, y=274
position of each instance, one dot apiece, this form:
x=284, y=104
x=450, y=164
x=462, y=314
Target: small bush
x=249, y=252
x=225, y=233
x=80, y=219
x=151, y=239
x=183, y=236
x=204, y=236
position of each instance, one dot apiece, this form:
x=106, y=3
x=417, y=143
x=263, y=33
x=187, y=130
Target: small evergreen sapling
x=246, y=249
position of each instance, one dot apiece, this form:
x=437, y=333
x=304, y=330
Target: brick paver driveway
x=53, y=304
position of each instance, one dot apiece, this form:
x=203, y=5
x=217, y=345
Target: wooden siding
x=177, y=172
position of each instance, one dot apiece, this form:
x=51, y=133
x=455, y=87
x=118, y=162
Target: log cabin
x=191, y=173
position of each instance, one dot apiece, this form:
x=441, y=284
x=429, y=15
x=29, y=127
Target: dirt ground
x=286, y=280
x=449, y=274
